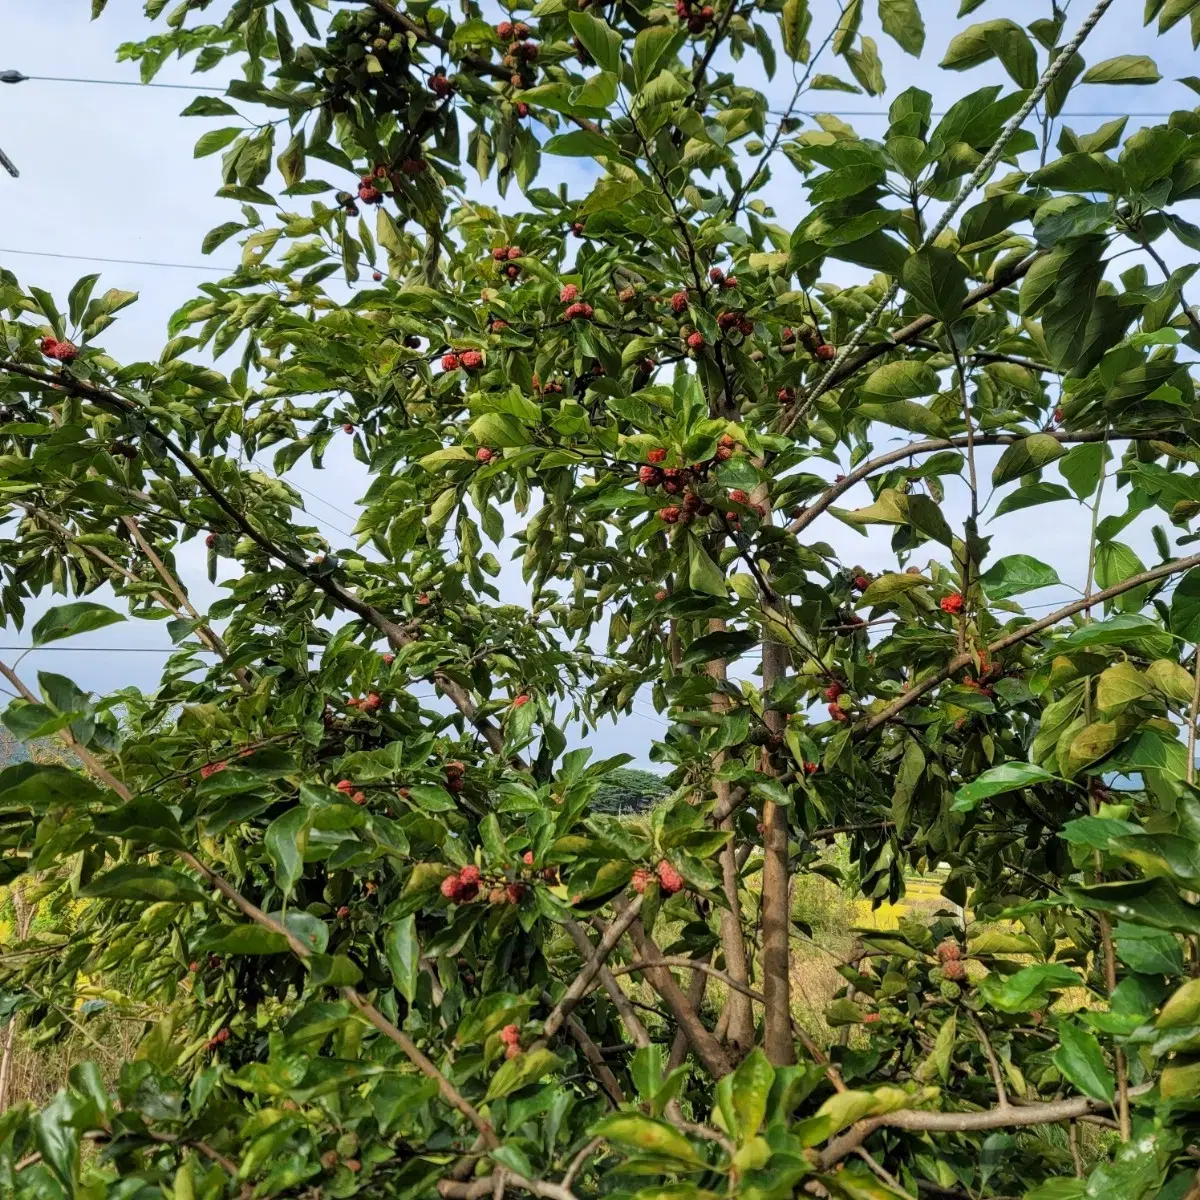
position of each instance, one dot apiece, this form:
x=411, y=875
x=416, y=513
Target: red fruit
x=500, y=254
x=403, y=793
x=472, y=360
x=452, y=887
x=450, y=362
x=724, y=453
x=527, y=858
x=696, y=24
x=514, y=252
x=647, y=365
x=510, y=1035
x=440, y=85
x=650, y=476
x=49, y=347
x=222, y=1035
x=679, y=302
x=833, y=691
x=369, y=194
x=528, y=52
x=739, y=497
x=862, y=582
x=521, y=31
x=522, y=109
x=497, y=324
x=682, y=8
x=825, y=352
x=193, y=966
x=669, y=879
x=811, y=768
x=948, y=951
x=345, y=786
x=716, y=274
x=955, y=970
x=670, y=514
x=786, y=333
x=352, y=1165
x=695, y=341
x=577, y=228
x=550, y=874
x=514, y=891
x=347, y=428
x=414, y=166
x=513, y=1052
x=1058, y=414
x=454, y=767
x=568, y=293
x=469, y=874
x=377, y=276
x=423, y=599
x=483, y=455
x=707, y=12
x=661, y=595
x=504, y=31
x=951, y=604
x=786, y=395
x=656, y=455
x=838, y=713
x=64, y=351
x=343, y=912
x=359, y=798
x=373, y=701
x=870, y=1018
x=212, y=769
x=580, y=310
x=211, y=540
x=730, y=282
x=520, y=701
x=641, y=880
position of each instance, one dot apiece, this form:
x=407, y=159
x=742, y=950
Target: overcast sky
x=108, y=172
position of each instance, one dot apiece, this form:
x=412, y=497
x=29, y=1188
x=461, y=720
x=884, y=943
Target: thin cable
x=137, y=83
x=881, y=112
x=127, y=262
x=990, y=159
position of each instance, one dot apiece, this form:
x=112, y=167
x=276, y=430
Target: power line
x=883, y=112
x=127, y=262
x=179, y=87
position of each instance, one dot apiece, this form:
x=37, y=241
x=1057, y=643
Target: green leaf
x=69, y=619
x=241, y=939
x=1029, y=988
x=794, y=21
x=901, y=21
x=1017, y=573
x=1148, y=951
x=1152, y=902
x=936, y=281
x=1182, y=1007
x=1027, y=455
x=726, y=644
x=1119, y=686
x=1000, y=38
x=1007, y=777
x=137, y=882
x=887, y=587
x=79, y=296
x=749, y=1089
x=1082, y=466
x=213, y=140
x=1030, y=495
x=642, y=1133
x=651, y=46
x=703, y=574
x=599, y=39
x=899, y=381
x=926, y=517
x=144, y=820
x=40, y=787
x=518, y=1072
x=1185, y=607
x=1081, y=1060
x=1125, y=68
x=582, y=143
x=403, y=955
x=285, y=840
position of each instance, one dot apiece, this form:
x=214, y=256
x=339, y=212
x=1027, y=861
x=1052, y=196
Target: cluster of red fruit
x=212, y=769
x=521, y=53
x=721, y=280
x=218, y=1039
x=811, y=768
x=455, y=773
x=729, y=320
x=950, y=955
x=576, y=308
x=510, y=1035
x=669, y=879
x=469, y=360
x=551, y=387
x=862, y=581
x=484, y=455
x=697, y=19
x=812, y=340
x=440, y=84
x=836, y=711
x=952, y=604
x=64, y=352
x=347, y=788
x=509, y=255
x=371, y=702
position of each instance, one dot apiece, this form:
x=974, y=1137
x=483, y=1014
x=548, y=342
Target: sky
x=107, y=172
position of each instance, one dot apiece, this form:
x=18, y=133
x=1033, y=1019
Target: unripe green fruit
x=949, y=990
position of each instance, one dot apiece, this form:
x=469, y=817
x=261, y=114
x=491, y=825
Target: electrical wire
x=126, y=262
x=137, y=83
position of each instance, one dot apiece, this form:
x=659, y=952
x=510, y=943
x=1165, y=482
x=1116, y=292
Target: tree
x=393, y=950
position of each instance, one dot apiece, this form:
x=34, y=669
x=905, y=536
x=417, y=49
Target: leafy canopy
x=385, y=949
